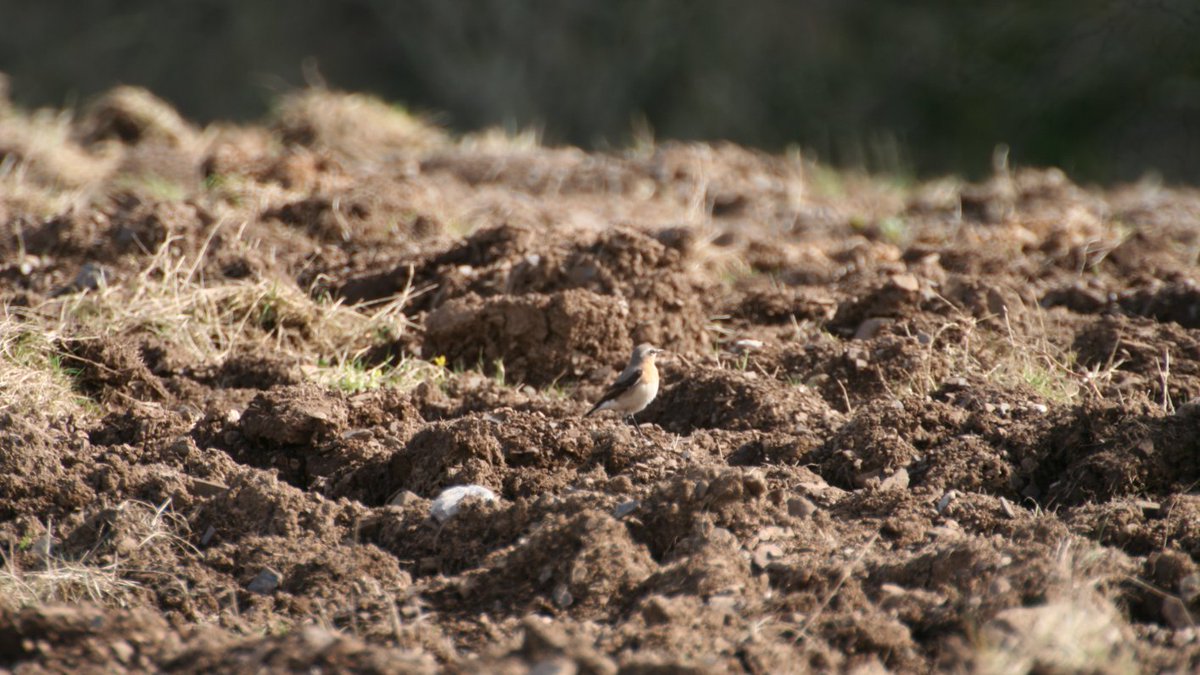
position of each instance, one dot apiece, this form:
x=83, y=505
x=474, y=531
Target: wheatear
x=634, y=388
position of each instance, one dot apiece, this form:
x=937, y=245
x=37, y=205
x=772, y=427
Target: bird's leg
x=638, y=427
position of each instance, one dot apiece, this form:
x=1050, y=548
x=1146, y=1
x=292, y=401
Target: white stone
x=447, y=504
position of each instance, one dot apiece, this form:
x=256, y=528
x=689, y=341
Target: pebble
x=562, y=596
x=747, y=345
x=448, y=503
x=946, y=499
x=896, y=481
x=266, y=582
x=554, y=665
x=403, y=498
x=1189, y=588
x=1176, y=613
x=91, y=277
x=625, y=508
x=801, y=507
x=869, y=328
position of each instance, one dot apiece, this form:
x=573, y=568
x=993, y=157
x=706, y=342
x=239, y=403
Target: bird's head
x=645, y=351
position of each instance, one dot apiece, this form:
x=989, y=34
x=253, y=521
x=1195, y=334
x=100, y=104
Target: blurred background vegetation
x=1107, y=90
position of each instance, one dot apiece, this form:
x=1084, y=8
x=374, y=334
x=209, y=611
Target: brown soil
x=951, y=427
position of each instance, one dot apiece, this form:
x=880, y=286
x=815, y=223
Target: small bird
x=634, y=388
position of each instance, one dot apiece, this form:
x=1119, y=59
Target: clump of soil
x=661, y=299
x=112, y=368
x=701, y=398
x=533, y=338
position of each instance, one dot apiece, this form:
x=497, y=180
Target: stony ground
x=906, y=427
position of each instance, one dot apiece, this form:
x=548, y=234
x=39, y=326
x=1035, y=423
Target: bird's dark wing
x=623, y=383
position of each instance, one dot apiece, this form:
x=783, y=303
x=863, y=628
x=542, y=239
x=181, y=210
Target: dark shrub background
x=1107, y=90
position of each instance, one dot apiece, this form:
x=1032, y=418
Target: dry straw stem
x=149, y=529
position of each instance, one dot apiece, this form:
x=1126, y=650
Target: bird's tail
x=595, y=408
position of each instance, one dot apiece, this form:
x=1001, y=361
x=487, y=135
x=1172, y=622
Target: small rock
x=764, y=554
x=190, y=413
x=999, y=586
x=1176, y=613
x=1189, y=588
x=657, y=610
x=869, y=328
x=620, y=484
x=868, y=478
x=555, y=665
x=754, y=483
x=316, y=638
x=122, y=650
x=996, y=303
x=625, y=508
x=562, y=596
x=906, y=282
x=403, y=498
x=747, y=345
x=208, y=535
x=801, y=507
x=207, y=488
x=91, y=276
x=724, y=603
x=896, y=481
x=1184, y=637
x=266, y=582
x=29, y=264
x=1189, y=409
x=448, y=503
x=945, y=501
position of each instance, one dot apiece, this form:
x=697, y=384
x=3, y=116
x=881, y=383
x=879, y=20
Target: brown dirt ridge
x=940, y=426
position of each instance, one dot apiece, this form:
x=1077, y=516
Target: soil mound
x=533, y=338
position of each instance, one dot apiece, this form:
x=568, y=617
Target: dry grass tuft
x=1012, y=359
x=355, y=126
x=496, y=139
x=171, y=300
x=1078, y=629
x=209, y=321
x=148, y=533
x=352, y=375
x=39, y=148
x=133, y=115
x=1035, y=363
x=32, y=376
